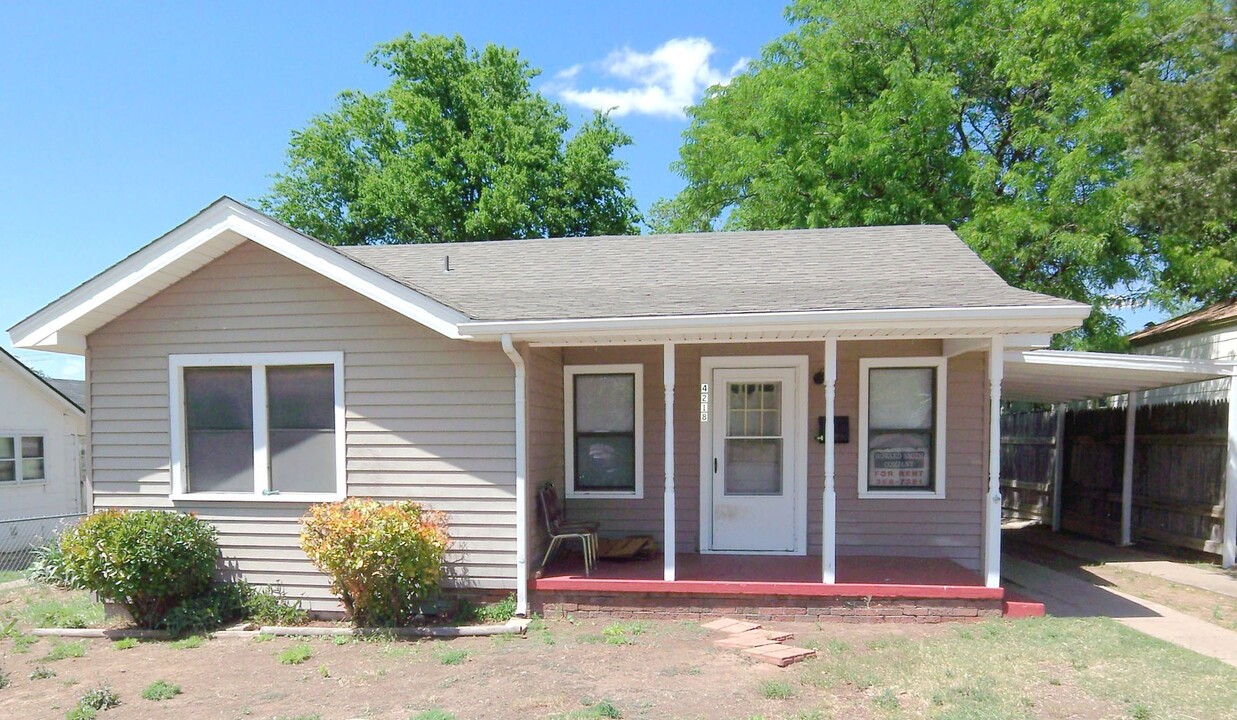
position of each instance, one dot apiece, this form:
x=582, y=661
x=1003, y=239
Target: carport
x=1056, y=377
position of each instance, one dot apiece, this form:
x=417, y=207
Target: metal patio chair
x=559, y=529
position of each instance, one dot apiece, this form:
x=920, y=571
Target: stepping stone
x=780, y=655
x=753, y=638
x=728, y=625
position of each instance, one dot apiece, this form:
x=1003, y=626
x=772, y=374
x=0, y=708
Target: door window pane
x=301, y=413
x=754, y=409
x=753, y=467
x=219, y=429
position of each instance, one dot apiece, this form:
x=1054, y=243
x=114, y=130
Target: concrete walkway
x=1203, y=577
x=1066, y=596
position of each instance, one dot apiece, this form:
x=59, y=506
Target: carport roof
x=1051, y=376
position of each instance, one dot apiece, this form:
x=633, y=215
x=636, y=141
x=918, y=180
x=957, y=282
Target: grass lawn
x=10, y=575
x=574, y=670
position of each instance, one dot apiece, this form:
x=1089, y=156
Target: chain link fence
x=21, y=537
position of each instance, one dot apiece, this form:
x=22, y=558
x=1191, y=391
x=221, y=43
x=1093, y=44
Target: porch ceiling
x=1051, y=376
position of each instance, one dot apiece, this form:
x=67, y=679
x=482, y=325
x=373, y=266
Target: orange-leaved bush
x=383, y=559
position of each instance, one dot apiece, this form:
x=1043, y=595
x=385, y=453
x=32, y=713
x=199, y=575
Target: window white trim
x=16, y=436
x=257, y=362
x=940, y=446
x=569, y=426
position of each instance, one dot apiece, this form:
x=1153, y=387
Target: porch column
x=1127, y=468
x=992, y=500
x=1058, y=464
x=829, y=549
x=1230, y=480
x=668, y=535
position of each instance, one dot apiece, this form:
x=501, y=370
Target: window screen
x=219, y=429
x=901, y=428
x=605, y=432
x=32, y=467
x=301, y=416
x=8, y=459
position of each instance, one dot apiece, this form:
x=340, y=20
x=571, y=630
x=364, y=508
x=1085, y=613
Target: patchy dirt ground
x=594, y=669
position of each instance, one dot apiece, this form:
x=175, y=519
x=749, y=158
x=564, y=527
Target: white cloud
x=662, y=82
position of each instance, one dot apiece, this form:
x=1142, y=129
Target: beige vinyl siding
x=544, y=372
x=948, y=527
x=428, y=418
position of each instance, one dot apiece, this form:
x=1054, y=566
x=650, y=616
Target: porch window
x=603, y=421
x=902, y=427
x=22, y=458
x=261, y=426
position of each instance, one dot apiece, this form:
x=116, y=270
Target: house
x=1209, y=333
x=241, y=370
x=42, y=430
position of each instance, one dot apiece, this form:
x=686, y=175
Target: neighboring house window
x=603, y=409
x=22, y=458
x=902, y=427
x=252, y=426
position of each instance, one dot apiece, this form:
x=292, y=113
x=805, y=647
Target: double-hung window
x=902, y=427
x=258, y=426
x=603, y=411
x=22, y=459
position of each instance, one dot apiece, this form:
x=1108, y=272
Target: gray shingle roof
x=74, y=390
x=882, y=268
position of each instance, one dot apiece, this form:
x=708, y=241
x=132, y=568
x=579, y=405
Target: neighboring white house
x=42, y=428
x=1206, y=334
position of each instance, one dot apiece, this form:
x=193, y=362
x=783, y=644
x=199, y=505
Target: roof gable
x=63, y=325
x=40, y=384
x=1218, y=315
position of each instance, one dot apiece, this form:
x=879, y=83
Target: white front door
x=756, y=498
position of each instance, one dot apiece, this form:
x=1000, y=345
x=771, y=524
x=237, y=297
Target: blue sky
x=120, y=120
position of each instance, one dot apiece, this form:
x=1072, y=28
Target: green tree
x=1181, y=118
x=999, y=118
x=458, y=147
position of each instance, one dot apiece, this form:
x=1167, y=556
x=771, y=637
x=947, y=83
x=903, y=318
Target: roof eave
x=1015, y=319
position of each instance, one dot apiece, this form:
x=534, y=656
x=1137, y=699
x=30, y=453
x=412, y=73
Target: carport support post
x=668, y=534
x=1127, y=469
x=992, y=500
x=1230, y=480
x=829, y=553
x=1058, y=464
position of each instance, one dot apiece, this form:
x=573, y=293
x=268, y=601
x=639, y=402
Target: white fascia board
x=1115, y=361
x=41, y=330
x=1017, y=319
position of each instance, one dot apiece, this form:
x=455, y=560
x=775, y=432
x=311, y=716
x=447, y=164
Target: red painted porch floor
x=858, y=576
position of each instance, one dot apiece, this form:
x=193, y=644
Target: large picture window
x=603, y=412
x=261, y=426
x=22, y=459
x=902, y=427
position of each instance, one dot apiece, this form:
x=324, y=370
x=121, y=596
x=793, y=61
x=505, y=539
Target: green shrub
x=228, y=602
x=149, y=561
x=499, y=612
x=42, y=673
x=384, y=560
x=160, y=690
x=49, y=568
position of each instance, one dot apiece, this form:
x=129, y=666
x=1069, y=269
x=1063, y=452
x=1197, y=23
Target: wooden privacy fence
x=1179, y=463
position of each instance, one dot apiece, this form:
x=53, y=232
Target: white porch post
x=829, y=570
x=668, y=534
x=992, y=501
x=1127, y=469
x=1229, y=553
x=1058, y=464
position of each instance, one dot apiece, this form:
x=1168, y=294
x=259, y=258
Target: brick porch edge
x=558, y=604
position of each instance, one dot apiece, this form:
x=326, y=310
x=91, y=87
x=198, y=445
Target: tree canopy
x=458, y=147
x=1000, y=118
x=1181, y=121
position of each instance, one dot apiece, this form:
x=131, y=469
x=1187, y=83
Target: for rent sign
x=898, y=467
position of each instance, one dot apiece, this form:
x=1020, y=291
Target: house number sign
x=704, y=402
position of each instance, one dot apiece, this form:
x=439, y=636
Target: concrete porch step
x=753, y=638
x=780, y=655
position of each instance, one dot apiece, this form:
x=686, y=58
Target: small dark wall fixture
x=841, y=429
